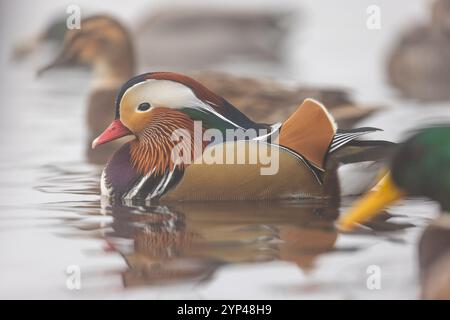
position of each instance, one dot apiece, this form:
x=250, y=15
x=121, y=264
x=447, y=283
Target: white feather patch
x=168, y=94
x=104, y=189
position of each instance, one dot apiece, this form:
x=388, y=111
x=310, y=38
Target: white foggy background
x=331, y=46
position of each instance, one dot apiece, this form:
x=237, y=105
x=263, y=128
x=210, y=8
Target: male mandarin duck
x=420, y=167
x=152, y=106
x=106, y=45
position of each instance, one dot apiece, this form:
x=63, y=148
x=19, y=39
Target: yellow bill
x=371, y=204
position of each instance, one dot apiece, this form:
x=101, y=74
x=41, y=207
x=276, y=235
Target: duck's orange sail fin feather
x=309, y=132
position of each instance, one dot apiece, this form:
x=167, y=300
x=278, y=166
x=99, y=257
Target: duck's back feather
x=309, y=132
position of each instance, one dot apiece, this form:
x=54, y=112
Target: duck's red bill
x=115, y=131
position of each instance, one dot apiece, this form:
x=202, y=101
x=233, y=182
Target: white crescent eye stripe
x=165, y=93
x=169, y=94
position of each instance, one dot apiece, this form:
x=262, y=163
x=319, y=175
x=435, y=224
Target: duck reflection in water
x=190, y=241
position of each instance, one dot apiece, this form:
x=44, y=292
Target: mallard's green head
x=420, y=167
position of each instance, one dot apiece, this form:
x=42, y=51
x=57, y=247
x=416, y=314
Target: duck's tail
x=312, y=132
x=360, y=164
x=342, y=137
x=345, y=148
x=363, y=150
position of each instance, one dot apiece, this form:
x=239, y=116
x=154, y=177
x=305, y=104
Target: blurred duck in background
x=105, y=44
x=207, y=37
x=421, y=167
x=419, y=64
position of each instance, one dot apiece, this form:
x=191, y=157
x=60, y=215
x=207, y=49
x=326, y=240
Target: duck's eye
x=144, y=106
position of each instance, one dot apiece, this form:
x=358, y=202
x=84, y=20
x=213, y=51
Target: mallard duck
x=419, y=64
x=158, y=164
x=105, y=45
x=421, y=167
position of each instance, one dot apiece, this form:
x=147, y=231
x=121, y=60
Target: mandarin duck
x=420, y=167
x=152, y=106
x=419, y=64
x=106, y=45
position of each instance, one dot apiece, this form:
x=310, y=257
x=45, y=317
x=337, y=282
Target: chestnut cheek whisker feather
x=152, y=151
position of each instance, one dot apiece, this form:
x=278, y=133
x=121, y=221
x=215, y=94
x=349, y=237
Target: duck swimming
x=420, y=167
x=152, y=106
x=105, y=44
